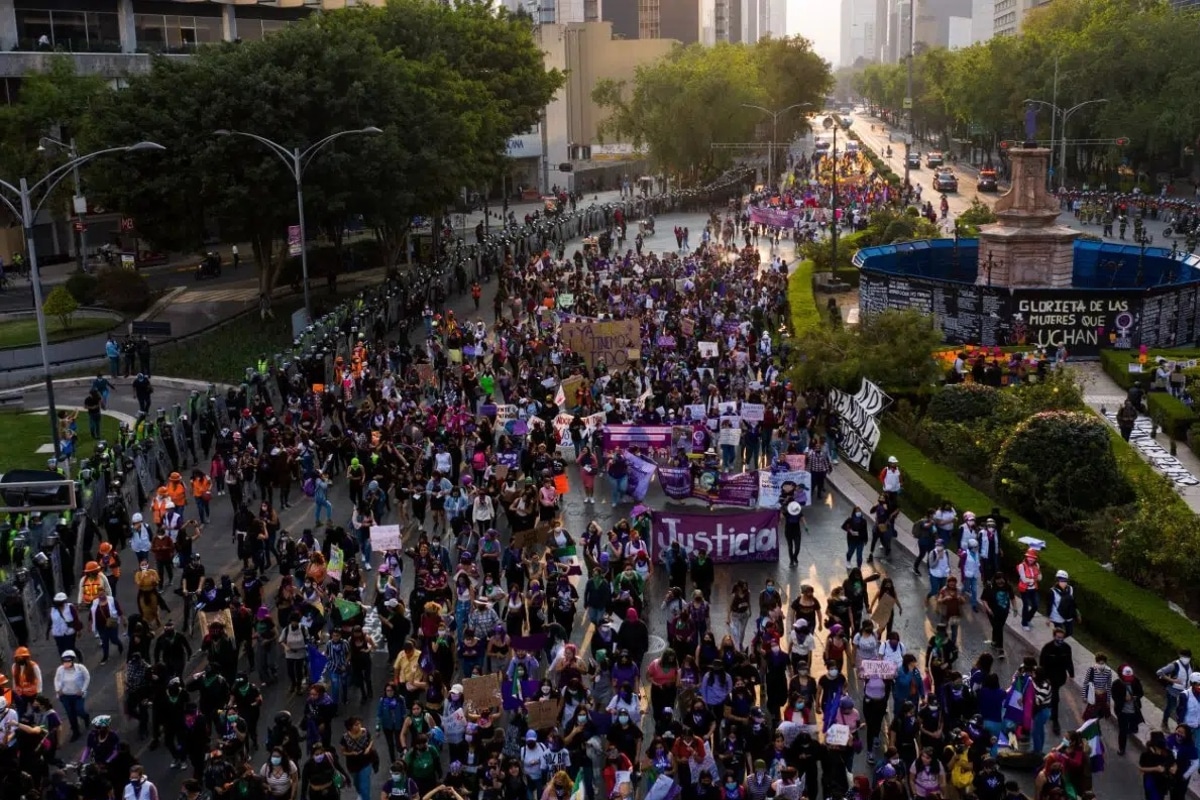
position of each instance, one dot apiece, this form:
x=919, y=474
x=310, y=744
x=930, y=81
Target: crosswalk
x=241, y=295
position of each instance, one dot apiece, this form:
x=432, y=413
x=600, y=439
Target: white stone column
x=229, y=22
x=126, y=26
x=8, y=25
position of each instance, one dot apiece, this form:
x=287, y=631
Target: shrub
x=1173, y=415
x=82, y=287
x=61, y=304
x=802, y=301
x=123, y=290
x=1130, y=618
x=963, y=401
x=1059, y=466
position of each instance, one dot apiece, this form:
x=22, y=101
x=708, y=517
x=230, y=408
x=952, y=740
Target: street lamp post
x=774, y=115
x=1064, y=114
x=44, y=144
x=297, y=160
x=20, y=200
x=831, y=123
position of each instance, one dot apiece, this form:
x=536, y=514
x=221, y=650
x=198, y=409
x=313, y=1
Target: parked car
x=945, y=181
x=934, y=160
x=987, y=180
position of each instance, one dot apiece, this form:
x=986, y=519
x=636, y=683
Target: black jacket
x=1057, y=661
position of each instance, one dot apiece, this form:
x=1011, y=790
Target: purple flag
x=728, y=537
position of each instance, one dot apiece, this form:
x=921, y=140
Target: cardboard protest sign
x=570, y=386
x=884, y=606
x=542, y=714
x=687, y=326
x=609, y=341
x=537, y=535
x=424, y=373
x=482, y=692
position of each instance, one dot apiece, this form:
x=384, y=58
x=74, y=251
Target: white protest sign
x=696, y=411
x=730, y=436
x=753, y=412
x=386, y=537
x=770, y=484
x=878, y=669
x=837, y=735
x=707, y=349
x=505, y=413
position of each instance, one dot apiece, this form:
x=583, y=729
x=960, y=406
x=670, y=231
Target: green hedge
x=1130, y=618
x=1116, y=364
x=1173, y=415
x=802, y=302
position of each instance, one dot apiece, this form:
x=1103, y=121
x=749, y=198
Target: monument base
x=1030, y=257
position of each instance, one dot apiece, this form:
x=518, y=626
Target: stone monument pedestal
x=1025, y=248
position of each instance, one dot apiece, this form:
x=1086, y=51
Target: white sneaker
x=367, y=567
x=847, y=563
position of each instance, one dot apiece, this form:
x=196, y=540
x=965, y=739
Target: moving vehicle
x=913, y=160
x=987, y=181
x=945, y=181
x=934, y=159
x=210, y=267
x=822, y=146
x=852, y=146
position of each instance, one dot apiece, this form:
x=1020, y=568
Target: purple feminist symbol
x=1030, y=122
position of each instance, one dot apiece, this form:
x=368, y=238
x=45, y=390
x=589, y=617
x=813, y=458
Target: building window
x=67, y=31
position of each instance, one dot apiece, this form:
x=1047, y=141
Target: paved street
x=821, y=566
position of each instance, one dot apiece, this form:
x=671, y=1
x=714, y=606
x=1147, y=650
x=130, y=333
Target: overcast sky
x=817, y=20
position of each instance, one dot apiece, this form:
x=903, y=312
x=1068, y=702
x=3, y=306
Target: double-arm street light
x=25, y=202
x=1064, y=114
x=297, y=161
x=774, y=115
x=78, y=204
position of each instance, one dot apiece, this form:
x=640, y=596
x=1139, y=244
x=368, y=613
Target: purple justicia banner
x=729, y=538
x=657, y=436
x=676, y=482
x=775, y=217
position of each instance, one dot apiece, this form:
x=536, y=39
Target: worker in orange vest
x=202, y=486
x=91, y=583
x=110, y=564
x=158, y=506
x=27, y=676
x=1029, y=575
x=177, y=491
x=6, y=691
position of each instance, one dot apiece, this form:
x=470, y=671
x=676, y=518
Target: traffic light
x=1122, y=141
x=1004, y=145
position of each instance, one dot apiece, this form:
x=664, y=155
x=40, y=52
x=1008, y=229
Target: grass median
x=24, y=432
x=24, y=333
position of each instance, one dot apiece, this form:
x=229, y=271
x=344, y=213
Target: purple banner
x=774, y=217
x=666, y=342
x=641, y=472
x=656, y=436
x=676, y=482
x=509, y=458
x=729, y=538
x=738, y=489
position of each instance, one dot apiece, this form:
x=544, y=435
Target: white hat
x=1062, y=575
x=170, y=504
x=71, y=655
x=893, y=460
x=61, y=597
x=794, y=508
x=456, y=689
x=1194, y=677
x=969, y=515
x=972, y=542
x=137, y=517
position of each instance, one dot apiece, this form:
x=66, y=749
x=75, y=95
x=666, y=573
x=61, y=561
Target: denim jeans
x=94, y=425
x=1029, y=606
x=364, y=545
x=202, y=510
x=971, y=587
x=1038, y=734
x=337, y=686
x=322, y=503
x=362, y=783
x=854, y=549
x=109, y=636
x=76, y=713
x=935, y=585
x=618, y=486
x=728, y=456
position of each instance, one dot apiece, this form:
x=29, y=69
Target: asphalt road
x=821, y=565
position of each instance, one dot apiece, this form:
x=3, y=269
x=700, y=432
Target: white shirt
x=144, y=791
x=72, y=681
x=60, y=623
x=532, y=759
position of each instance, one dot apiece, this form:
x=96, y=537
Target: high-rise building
x=1009, y=14
x=943, y=23
x=623, y=14
x=776, y=19
x=859, y=41
x=565, y=12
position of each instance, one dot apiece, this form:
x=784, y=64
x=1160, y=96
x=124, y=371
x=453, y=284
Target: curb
x=162, y=303
x=858, y=492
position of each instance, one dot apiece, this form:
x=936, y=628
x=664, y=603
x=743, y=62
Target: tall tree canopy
x=696, y=96
x=1139, y=55
x=447, y=86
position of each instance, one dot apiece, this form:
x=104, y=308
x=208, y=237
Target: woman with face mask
x=281, y=775
x=322, y=775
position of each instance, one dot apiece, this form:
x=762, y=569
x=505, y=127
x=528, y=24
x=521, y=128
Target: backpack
x=1066, y=603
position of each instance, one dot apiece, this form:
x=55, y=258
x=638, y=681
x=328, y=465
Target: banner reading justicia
x=728, y=537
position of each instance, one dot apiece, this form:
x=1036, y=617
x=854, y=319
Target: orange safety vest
x=201, y=486
x=91, y=589
x=26, y=687
x=177, y=493
x=1028, y=576
x=158, y=508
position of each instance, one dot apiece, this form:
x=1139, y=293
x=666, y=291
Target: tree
x=893, y=349
x=447, y=86
x=62, y=304
x=697, y=96
x=977, y=214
